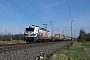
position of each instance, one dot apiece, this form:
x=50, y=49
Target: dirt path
x=87, y=50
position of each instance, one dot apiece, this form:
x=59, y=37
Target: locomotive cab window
x=29, y=29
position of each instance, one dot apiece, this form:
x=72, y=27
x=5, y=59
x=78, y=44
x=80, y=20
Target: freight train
x=37, y=34
x=60, y=37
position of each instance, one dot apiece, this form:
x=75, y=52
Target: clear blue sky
x=15, y=15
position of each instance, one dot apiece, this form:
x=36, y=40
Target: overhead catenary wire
x=69, y=10
x=48, y=13
x=41, y=6
x=19, y=11
x=39, y=9
x=44, y=9
x=53, y=18
x=25, y=10
x=14, y=8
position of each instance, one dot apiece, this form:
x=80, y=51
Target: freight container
x=58, y=37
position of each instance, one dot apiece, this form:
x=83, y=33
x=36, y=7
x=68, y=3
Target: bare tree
x=82, y=36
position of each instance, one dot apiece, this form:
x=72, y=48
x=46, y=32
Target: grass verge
x=75, y=52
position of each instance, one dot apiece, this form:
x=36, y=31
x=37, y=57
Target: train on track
x=37, y=34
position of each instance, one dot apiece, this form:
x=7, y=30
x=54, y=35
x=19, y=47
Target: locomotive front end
x=29, y=34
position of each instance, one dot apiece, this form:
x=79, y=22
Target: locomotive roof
x=38, y=27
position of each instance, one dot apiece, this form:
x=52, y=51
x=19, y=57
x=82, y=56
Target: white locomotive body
x=35, y=34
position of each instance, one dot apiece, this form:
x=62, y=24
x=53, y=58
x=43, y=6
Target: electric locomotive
x=36, y=34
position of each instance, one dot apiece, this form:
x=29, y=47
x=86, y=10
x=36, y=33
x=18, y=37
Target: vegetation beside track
x=12, y=42
x=75, y=52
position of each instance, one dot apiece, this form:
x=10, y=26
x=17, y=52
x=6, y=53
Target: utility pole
x=71, y=31
x=63, y=35
x=63, y=32
x=74, y=35
x=51, y=28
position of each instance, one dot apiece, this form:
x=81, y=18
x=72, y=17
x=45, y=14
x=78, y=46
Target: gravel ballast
x=31, y=53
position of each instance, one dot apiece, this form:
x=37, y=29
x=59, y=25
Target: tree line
x=10, y=36
x=83, y=36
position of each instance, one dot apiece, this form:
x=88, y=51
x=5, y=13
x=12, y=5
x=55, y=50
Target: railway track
x=15, y=47
x=30, y=51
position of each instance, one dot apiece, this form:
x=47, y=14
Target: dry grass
x=59, y=57
x=12, y=42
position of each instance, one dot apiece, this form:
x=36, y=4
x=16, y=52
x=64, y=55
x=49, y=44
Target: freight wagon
x=67, y=38
x=58, y=37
